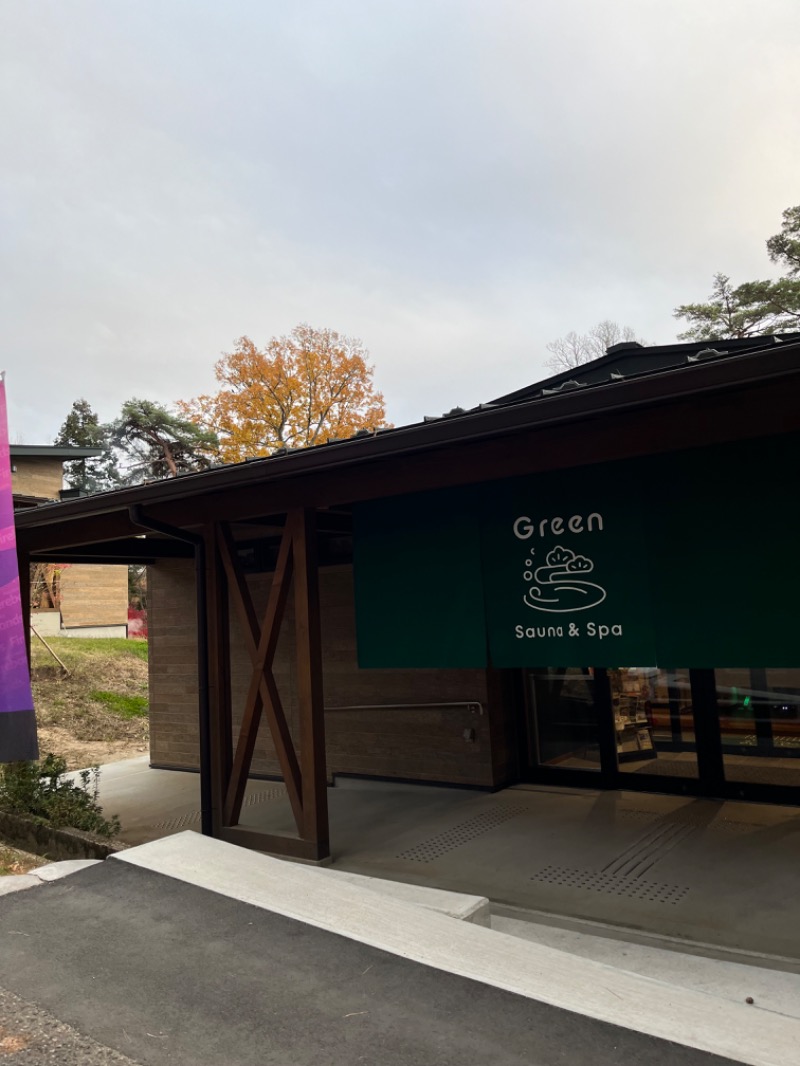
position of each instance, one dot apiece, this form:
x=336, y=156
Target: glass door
x=723, y=733
x=563, y=719
x=759, y=716
x=654, y=722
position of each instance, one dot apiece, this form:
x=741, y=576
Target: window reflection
x=654, y=721
x=759, y=713
x=565, y=718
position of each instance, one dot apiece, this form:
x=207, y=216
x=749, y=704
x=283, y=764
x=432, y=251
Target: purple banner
x=17, y=720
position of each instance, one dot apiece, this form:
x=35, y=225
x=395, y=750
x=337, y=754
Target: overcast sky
x=455, y=182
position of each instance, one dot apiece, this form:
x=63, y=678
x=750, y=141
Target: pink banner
x=17, y=720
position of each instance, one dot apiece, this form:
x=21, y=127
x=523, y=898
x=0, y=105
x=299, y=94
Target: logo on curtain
x=559, y=586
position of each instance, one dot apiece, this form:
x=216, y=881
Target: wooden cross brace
x=304, y=775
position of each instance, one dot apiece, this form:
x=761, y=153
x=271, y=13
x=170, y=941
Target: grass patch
x=137, y=648
x=77, y=716
x=76, y=650
x=126, y=706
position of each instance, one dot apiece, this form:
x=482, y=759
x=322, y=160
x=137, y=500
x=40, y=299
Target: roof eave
x=731, y=373
x=53, y=451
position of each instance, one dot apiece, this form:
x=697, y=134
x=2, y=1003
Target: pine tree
x=82, y=428
x=755, y=307
x=160, y=444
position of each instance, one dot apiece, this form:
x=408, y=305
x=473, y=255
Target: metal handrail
x=471, y=705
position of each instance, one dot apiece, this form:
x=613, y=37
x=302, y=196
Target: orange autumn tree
x=311, y=386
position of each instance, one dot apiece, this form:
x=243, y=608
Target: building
x=589, y=582
x=87, y=601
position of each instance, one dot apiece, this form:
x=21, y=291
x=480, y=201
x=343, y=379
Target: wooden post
x=218, y=622
x=305, y=777
x=310, y=701
x=261, y=641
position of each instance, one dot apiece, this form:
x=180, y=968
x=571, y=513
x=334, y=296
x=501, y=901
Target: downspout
x=139, y=518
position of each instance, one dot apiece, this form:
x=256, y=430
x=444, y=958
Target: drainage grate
x=460, y=834
x=721, y=824
x=632, y=815
x=193, y=817
x=179, y=823
x=267, y=794
x=727, y=825
x=596, y=881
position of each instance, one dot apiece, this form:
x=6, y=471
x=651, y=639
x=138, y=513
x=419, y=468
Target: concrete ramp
x=394, y=918
x=457, y=905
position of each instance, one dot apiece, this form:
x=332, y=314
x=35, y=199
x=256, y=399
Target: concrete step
x=770, y=989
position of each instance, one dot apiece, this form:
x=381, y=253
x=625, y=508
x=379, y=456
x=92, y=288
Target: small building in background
x=70, y=600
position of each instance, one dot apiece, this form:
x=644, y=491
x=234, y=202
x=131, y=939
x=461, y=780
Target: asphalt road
x=30, y=1036
x=161, y=972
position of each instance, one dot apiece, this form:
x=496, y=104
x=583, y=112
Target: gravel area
x=29, y=1036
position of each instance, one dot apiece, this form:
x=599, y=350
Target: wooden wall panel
x=94, y=595
x=37, y=476
x=172, y=624
x=404, y=733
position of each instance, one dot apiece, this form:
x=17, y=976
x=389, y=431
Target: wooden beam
x=70, y=532
x=306, y=779
x=327, y=522
x=218, y=622
x=261, y=641
x=128, y=549
x=88, y=557
x=310, y=700
x=276, y=844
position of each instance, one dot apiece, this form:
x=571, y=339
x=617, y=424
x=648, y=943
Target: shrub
x=39, y=789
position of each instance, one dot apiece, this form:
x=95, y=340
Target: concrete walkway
x=718, y=877
x=202, y=966
x=757, y=1032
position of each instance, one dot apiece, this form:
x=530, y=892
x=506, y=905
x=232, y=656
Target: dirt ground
x=83, y=753
x=93, y=709
x=13, y=861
